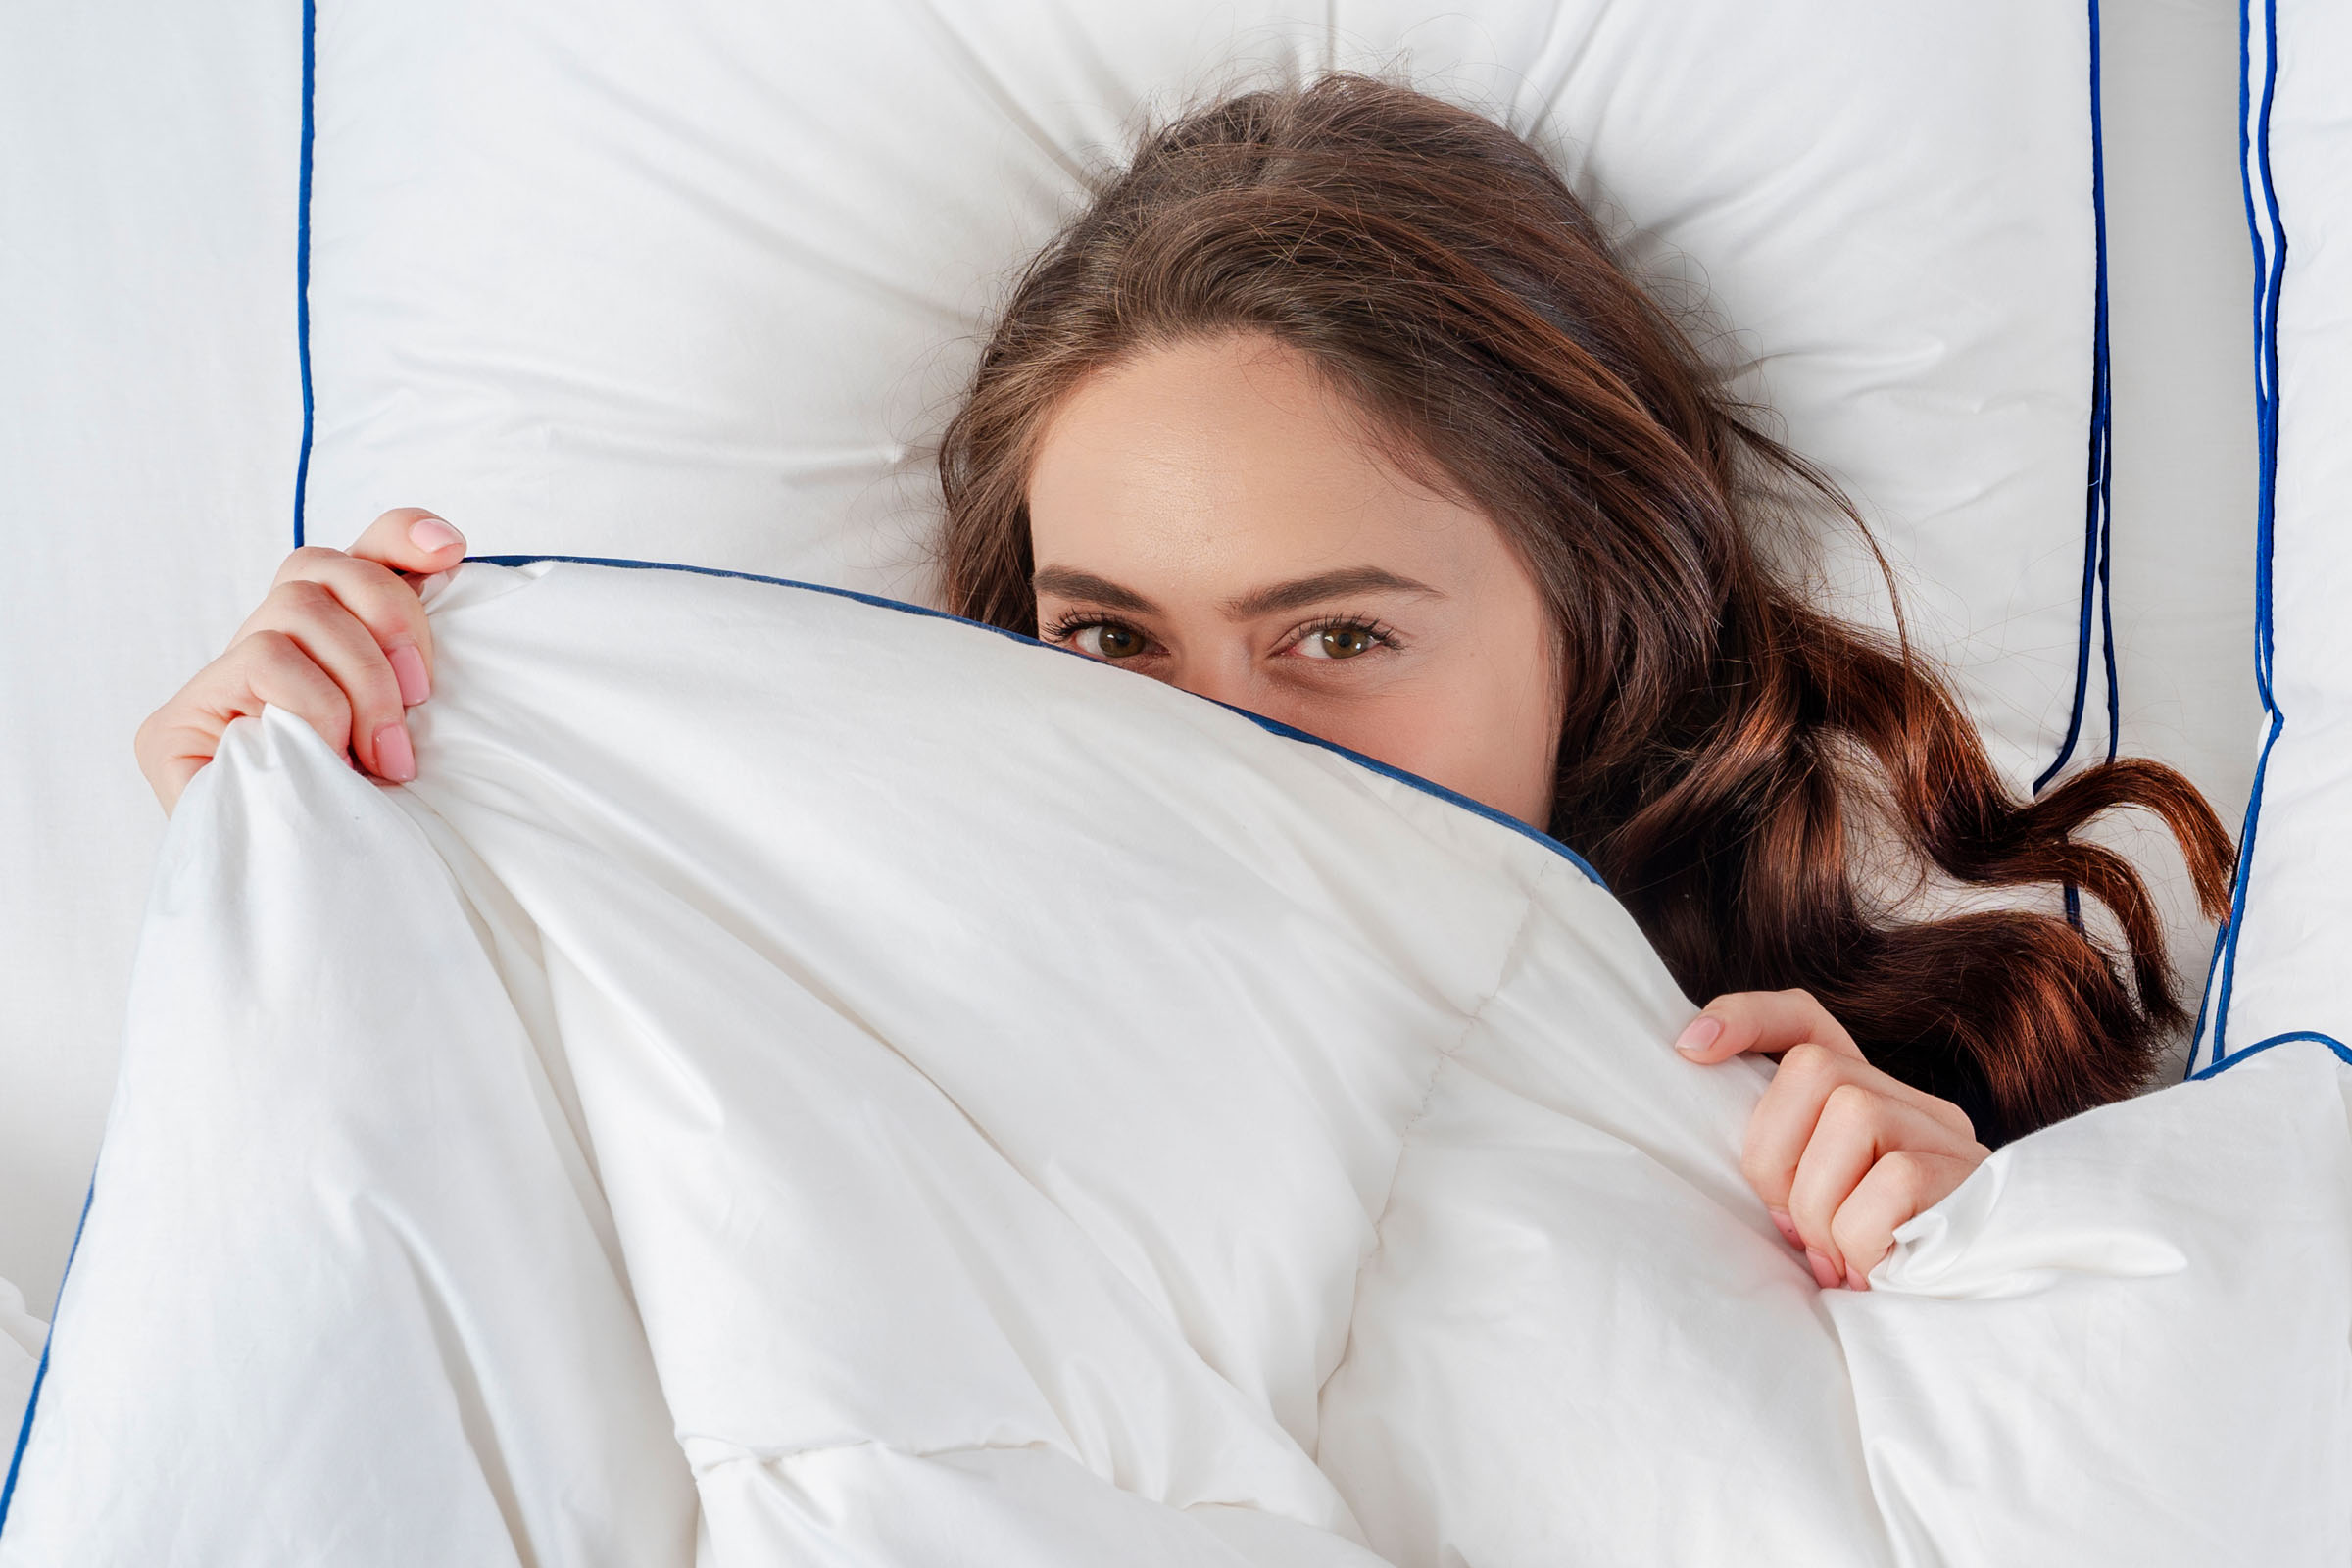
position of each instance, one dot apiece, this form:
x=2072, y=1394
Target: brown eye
x=1110, y=642
x=1339, y=642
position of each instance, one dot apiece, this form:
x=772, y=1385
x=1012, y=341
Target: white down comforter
x=798, y=1081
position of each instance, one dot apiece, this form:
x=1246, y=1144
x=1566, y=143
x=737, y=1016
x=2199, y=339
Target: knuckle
x=1904, y=1170
x=270, y=646
x=1811, y=1064
x=1850, y=1105
x=301, y=594
x=1861, y=1241
x=1952, y=1117
x=391, y=603
x=379, y=693
x=305, y=559
x=377, y=595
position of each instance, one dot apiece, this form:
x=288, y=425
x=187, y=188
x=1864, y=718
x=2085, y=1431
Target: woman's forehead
x=1234, y=460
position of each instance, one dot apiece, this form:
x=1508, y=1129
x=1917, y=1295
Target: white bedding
x=22, y=1336
x=796, y=1080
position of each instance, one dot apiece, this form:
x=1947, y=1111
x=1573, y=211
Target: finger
x=334, y=640
x=1783, y=1120
x=410, y=539
x=1765, y=1023
x=1854, y=1132
x=1899, y=1188
x=269, y=667
x=381, y=600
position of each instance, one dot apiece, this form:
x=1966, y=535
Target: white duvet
x=798, y=1081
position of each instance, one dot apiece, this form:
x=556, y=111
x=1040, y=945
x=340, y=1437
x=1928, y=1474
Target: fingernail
x=394, y=758
x=1855, y=1281
x=1699, y=1035
x=408, y=669
x=1825, y=1272
x=1788, y=1229
x=431, y=533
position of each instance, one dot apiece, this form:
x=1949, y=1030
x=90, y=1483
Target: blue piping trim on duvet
x=1271, y=725
x=2097, y=576
x=2342, y=1051
x=2266, y=230
x=40, y=1373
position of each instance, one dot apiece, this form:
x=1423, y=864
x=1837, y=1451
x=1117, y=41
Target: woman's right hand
x=341, y=642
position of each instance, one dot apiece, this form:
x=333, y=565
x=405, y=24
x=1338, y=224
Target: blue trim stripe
x=40, y=1373
x=2098, y=578
x=1271, y=726
x=2342, y=1051
x=2102, y=474
x=2265, y=231
x=302, y=258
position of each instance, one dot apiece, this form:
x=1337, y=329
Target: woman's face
x=1214, y=516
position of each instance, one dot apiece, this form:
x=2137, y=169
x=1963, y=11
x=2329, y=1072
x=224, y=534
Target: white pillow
x=2280, y=970
x=699, y=283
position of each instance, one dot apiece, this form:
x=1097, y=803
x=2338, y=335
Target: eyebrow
x=1067, y=582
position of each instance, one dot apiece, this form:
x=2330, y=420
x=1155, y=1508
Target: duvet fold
x=801, y=1080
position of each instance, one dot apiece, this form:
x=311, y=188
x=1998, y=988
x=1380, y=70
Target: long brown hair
x=1721, y=736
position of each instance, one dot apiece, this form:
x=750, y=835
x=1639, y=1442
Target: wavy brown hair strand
x=1724, y=744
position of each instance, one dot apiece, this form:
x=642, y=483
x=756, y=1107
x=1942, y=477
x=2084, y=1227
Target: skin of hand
x=341, y=641
x=1840, y=1153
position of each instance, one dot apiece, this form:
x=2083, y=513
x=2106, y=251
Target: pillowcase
x=699, y=282
x=2278, y=968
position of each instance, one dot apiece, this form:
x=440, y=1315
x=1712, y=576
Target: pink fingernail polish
x=431, y=533
x=408, y=669
x=394, y=758
x=1825, y=1272
x=1788, y=1229
x=1854, y=1281
x=1699, y=1035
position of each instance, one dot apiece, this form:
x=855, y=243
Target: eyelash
x=1380, y=631
x=1070, y=625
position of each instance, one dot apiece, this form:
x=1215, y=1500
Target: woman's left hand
x=1840, y=1153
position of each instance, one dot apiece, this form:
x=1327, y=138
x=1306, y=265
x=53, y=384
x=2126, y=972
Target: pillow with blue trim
x=2280, y=970
x=701, y=281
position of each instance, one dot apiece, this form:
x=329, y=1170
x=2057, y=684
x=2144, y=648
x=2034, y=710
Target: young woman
x=1336, y=405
